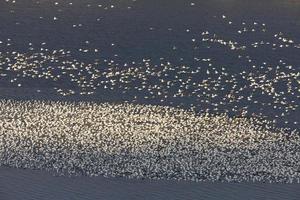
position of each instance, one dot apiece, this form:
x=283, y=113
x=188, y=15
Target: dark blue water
x=237, y=57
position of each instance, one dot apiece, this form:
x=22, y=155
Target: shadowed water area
x=30, y=185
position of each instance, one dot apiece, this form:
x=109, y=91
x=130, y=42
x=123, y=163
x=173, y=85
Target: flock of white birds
x=206, y=87
x=143, y=141
x=269, y=89
x=235, y=100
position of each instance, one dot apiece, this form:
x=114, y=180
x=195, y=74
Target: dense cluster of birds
x=143, y=141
